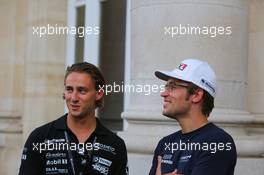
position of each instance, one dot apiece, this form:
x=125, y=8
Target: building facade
x=135, y=38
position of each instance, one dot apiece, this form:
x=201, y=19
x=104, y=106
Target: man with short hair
x=76, y=143
x=200, y=147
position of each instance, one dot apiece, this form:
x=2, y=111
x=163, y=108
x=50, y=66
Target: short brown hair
x=208, y=100
x=91, y=70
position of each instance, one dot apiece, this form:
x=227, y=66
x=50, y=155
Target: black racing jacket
x=54, y=149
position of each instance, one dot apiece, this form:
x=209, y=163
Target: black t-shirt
x=54, y=149
x=208, y=150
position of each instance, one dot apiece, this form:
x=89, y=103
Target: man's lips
x=165, y=103
x=75, y=106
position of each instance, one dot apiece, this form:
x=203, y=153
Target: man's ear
x=197, y=96
x=99, y=95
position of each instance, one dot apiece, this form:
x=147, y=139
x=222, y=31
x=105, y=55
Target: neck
x=81, y=127
x=192, y=122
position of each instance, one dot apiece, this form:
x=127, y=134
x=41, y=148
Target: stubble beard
x=79, y=115
x=176, y=115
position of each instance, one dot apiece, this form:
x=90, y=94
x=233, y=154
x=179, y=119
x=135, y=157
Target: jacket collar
x=61, y=124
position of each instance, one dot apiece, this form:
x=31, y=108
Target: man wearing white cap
x=200, y=147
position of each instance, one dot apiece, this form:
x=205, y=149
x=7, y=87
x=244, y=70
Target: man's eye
x=82, y=91
x=169, y=86
x=68, y=89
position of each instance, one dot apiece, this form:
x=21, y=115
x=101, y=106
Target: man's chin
x=167, y=114
x=76, y=114
x=170, y=115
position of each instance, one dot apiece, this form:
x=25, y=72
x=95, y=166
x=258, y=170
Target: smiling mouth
x=165, y=103
x=75, y=106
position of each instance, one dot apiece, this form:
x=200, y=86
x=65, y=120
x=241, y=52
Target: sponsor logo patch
x=55, y=155
x=185, y=158
x=102, y=169
x=182, y=66
x=102, y=161
x=107, y=148
x=208, y=84
x=56, y=162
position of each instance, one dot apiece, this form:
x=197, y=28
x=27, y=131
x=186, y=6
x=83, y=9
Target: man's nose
x=75, y=96
x=164, y=93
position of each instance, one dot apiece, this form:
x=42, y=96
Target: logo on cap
x=182, y=66
x=208, y=84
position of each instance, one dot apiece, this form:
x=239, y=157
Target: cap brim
x=163, y=75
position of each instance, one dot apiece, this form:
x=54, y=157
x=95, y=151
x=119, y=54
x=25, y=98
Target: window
x=105, y=50
x=79, y=39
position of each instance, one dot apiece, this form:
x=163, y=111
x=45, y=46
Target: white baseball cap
x=195, y=71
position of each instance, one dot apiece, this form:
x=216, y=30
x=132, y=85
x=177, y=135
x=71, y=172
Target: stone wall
x=236, y=59
x=31, y=79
